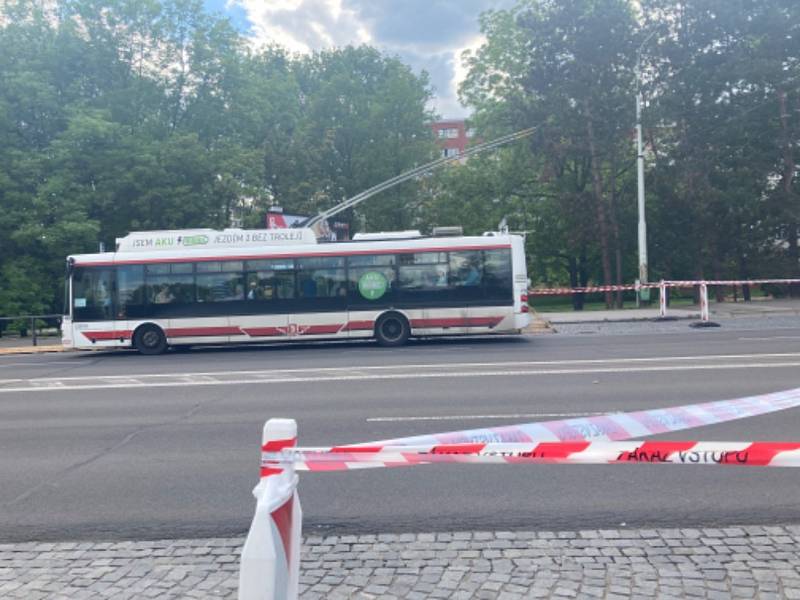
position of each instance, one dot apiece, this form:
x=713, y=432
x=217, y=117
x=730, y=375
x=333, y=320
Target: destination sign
x=189, y=239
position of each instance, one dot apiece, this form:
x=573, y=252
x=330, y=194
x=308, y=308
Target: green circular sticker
x=372, y=285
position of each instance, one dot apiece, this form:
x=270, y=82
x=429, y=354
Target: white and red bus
x=181, y=288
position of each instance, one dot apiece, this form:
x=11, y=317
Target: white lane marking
x=769, y=339
x=35, y=364
x=481, y=417
x=58, y=386
x=592, y=361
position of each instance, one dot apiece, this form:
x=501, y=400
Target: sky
x=425, y=34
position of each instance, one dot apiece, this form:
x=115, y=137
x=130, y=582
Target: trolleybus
x=183, y=288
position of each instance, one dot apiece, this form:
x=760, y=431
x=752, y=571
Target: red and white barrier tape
x=760, y=454
x=730, y=282
x=610, y=427
x=588, y=290
x=632, y=286
x=578, y=431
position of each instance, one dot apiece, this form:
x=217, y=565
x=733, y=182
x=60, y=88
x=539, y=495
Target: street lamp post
x=640, y=191
x=642, y=237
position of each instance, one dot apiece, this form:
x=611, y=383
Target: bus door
x=426, y=291
x=466, y=273
x=320, y=306
x=496, y=305
x=269, y=299
x=91, y=305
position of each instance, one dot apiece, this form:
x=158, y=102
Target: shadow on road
x=318, y=347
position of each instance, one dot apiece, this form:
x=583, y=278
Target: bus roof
x=255, y=252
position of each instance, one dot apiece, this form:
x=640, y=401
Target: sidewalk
x=18, y=345
x=731, y=562
x=782, y=307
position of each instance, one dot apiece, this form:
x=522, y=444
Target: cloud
x=428, y=24
x=426, y=34
x=303, y=25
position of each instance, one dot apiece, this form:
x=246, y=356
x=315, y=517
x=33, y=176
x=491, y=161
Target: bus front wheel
x=150, y=339
x=392, y=329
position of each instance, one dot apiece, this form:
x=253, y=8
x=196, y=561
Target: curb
x=32, y=349
x=539, y=325
x=630, y=320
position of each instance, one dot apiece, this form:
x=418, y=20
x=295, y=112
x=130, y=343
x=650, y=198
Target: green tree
x=120, y=115
x=565, y=67
x=721, y=73
x=365, y=122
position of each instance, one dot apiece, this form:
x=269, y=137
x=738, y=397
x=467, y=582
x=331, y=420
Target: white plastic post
x=270, y=564
x=662, y=299
x=704, y=302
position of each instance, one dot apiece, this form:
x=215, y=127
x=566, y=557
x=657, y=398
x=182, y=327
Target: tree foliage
x=121, y=115
x=721, y=80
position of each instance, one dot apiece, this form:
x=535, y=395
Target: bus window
x=270, y=285
x=423, y=271
x=321, y=277
x=371, y=260
x=497, y=278
x=466, y=269
x=422, y=258
x=92, y=290
x=170, y=283
x=466, y=276
x=283, y=264
x=219, y=287
x=131, y=292
x=423, y=278
x=321, y=284
x=220, y=266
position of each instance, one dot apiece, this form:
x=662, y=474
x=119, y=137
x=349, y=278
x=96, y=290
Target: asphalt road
x=120, y=446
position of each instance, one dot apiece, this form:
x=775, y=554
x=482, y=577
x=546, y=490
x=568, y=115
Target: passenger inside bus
x=254, y=293
x=164, y=295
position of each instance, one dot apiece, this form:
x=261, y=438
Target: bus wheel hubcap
x=391, y=329
x=150, y=339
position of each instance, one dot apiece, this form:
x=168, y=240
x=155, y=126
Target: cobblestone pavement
x=733, y=562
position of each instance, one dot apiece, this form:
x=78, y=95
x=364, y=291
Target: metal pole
x=33, y=329
x=704, y=303
x=640, y=165
x=640, y=188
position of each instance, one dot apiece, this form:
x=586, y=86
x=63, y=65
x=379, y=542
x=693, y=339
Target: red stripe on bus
x=202, y=331
x=484, y=321
x=178, y=332
x=106, y=335
x=320, y=329
x=264, y=331
x=456, y=322
x=359, y=326
x=185, y=259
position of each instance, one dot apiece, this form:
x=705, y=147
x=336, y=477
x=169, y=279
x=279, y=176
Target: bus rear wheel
x=150, y=339
x=392, y=329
